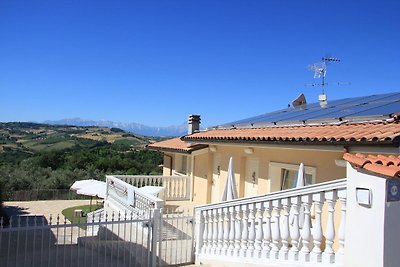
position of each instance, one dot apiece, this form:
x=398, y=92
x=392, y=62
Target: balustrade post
x=210, y=231
x=232, y=218
x=220, y=238
x=199, y=231
x=226, y=230
x=259, y=230
x=294, y=228
x=238, y=231
x=304, y=254
x=205, y=231
x=318, y=200
x=284, y=251
x=267, y=233
x=342, y=195
x=252, y=231
x=215, y=231
x=275, y=227
x=328, y=256
x=245, y=231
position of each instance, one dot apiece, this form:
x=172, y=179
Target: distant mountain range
x=175, y=130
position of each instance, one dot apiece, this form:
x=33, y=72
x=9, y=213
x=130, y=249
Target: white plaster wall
x=372, y=234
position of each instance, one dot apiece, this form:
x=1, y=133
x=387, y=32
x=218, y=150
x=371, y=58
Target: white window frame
x=277, y=167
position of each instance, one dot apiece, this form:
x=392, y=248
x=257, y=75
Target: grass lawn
x=69, y=213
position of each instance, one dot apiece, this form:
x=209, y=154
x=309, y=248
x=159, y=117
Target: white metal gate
x=100, y=240
x=114, y=240
x=176, y=239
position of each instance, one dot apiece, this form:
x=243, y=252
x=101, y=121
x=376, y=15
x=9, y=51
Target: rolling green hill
x=40, y=156
x=31, y=137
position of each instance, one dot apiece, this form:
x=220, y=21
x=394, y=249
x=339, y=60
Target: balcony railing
x=129, y=198
x=277, y=227
x=175, y=187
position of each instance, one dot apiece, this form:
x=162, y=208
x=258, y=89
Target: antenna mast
x=320, y=69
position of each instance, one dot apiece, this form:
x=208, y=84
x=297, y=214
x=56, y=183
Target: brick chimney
x=193, y=124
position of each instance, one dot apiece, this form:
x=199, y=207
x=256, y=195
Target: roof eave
x=392, y=143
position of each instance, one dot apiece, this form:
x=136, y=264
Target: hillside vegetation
x=39, y=156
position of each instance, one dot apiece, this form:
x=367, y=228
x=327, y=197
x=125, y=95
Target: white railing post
x=318, y=200
x=204, y=246
x=252, y=231
x=304, y=254
x=259, y=231
x=245, y=230
x=215, y=231
x=275, y=229
x=156, y=219
x=200, y=229
x=238, y=230
x=210, y=231
x=284, y=251
x=328, y=256
x=226, y=230
x=221, y=229
x=232, y=218
x=342, y=194
x=267, y=233
x=294, y=228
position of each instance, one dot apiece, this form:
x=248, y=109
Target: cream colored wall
x=202, y=180
x=323, y=161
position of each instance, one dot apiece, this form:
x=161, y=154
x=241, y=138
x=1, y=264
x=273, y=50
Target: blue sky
x=156, y=62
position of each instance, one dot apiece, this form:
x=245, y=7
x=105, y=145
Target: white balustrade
x=328, y=256
x=252, y=231
x=275, y=228
x=259, y=231
x=339, y=257
x=318, y=201
x=284, y=251
x=267, y=228
x=294, y=228
x=245, y=231
x=225, y=227
x=175, y=187
x=305, y=232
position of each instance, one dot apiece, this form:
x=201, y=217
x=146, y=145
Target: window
x=283, y=176
x=289, y=178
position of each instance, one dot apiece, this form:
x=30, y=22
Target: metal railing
x=114, y=240
x=101, y=239
x=42, y=194
x=175, y=187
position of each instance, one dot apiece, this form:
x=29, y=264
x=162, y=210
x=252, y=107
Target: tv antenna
x=320, y=69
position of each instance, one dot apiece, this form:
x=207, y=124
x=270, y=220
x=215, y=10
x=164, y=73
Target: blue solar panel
x=374, y=105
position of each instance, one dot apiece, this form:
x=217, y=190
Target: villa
x=344, y=213
x=268, y=149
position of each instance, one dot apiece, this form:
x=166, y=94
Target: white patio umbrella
x=300, y=182
x=230, y=185
x=92, y=188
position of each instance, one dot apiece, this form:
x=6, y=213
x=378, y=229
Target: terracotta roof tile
x=175, y=144
x=347, y=132
x=380, y=164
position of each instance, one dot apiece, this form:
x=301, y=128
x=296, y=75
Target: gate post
x=155, y=229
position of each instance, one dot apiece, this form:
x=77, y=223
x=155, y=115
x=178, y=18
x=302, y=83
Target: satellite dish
x=299, y=101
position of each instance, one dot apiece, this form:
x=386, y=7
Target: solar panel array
x=365, y=107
